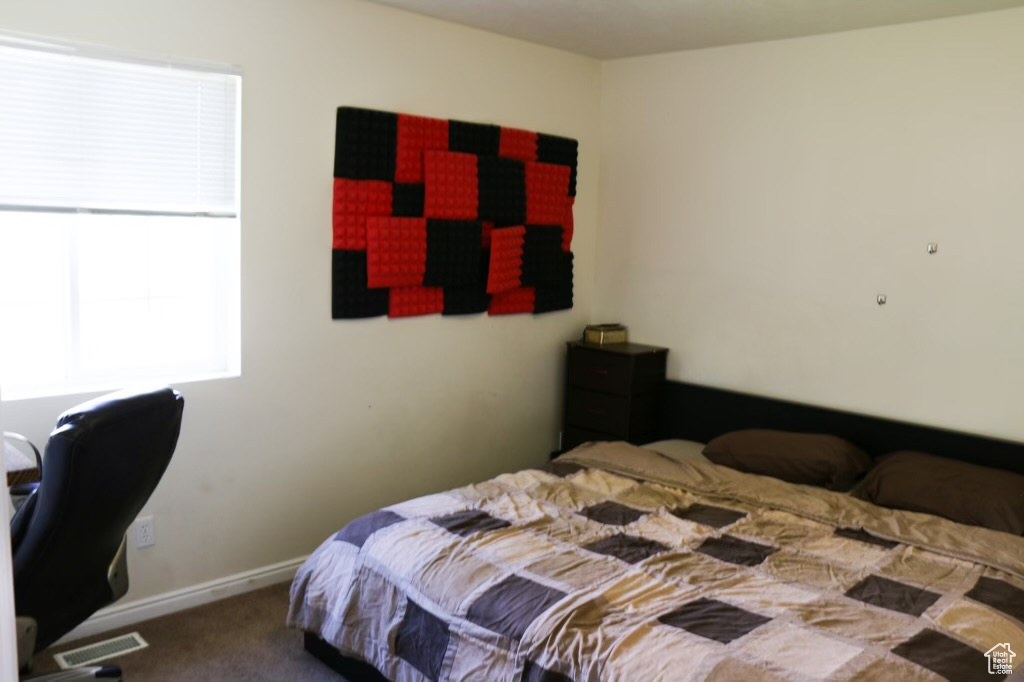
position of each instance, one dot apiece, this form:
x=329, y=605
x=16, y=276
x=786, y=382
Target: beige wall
x=755, y=199
x=331, y=419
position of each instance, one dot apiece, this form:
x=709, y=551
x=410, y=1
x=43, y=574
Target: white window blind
x=119, y=218
x=86, y=132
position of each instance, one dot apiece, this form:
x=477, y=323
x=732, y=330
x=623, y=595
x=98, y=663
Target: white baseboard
x=122, y=615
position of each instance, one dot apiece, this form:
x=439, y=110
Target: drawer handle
x=599, y=371
x=594, y=410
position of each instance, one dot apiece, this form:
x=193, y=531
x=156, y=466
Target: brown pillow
x=963, y=492
x=810, y=458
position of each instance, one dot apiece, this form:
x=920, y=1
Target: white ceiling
x=609, y=29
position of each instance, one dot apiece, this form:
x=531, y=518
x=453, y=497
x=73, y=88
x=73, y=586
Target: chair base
x=99, y=672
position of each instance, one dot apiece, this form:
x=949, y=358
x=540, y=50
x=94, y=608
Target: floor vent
x=108, y=648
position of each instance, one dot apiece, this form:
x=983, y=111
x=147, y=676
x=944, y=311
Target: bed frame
x=351, y=668
x=701, y=412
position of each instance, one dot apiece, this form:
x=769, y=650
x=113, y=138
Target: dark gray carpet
x=239, y=638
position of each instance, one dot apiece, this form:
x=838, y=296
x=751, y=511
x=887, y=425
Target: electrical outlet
x=144, y=533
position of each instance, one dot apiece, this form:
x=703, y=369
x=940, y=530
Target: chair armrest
x=20, y=492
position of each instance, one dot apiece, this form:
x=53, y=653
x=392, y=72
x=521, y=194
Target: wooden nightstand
x=611, y=392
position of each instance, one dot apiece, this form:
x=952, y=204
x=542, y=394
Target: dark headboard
x=701, y=413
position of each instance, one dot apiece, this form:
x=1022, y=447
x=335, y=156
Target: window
x=119, y=219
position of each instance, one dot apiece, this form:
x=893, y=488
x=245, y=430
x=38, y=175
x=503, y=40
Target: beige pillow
x=679, y=449
x=809, y=458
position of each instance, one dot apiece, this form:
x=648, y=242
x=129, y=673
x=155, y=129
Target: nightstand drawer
x=600, y=371
x=609, y=372
x=620, y=416
x=573, y=436
x=597, y=411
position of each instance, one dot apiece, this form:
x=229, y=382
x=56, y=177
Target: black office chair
x=102, y=462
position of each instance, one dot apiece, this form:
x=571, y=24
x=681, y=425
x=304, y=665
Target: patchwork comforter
x=616, y=563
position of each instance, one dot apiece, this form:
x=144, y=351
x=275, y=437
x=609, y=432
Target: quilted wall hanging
x=443, y=216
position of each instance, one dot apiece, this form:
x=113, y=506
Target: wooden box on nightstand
x=611, y=392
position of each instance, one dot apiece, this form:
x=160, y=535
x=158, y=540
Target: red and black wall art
x=443, y=216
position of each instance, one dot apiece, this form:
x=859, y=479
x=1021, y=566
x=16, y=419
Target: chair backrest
x=102, y=462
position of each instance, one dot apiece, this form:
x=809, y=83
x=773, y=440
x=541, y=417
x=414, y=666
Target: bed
x=619, y=562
